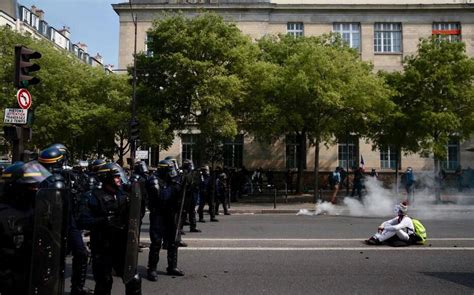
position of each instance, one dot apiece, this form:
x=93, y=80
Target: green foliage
x=314, y=87
x=313, y=84
x=437, y=94
x=195, y=76
x=75, y=104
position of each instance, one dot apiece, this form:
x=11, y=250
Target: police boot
x=78, y=276
x=193, y=223
x=226, y=210
x=103, y=286
x=134, y=287
x=153, y=258
x=173, y=269
x=200, y=212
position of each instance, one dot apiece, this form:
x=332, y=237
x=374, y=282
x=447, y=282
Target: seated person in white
x=398, y=231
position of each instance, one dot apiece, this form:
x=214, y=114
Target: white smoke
x=380, y=202
x=377, y=202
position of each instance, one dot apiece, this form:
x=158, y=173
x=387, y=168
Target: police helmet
x=174, y=161
x=187, y=165
x=96, y=164
x=205, y=170
x=123, y=174
x=61, y=147
x=167, y=170
x=51, y=157
x=108, y=172
x=140, y=168
x=22, y=180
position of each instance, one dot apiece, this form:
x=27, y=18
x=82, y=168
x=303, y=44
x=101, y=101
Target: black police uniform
x=16, y=224
x=190, y=181
x=107, y=219
x=164, y=203
x=140, y=175
x=206, y=196
x=54, y=158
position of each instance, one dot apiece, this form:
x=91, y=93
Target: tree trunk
x=397, y=166
x=437, y=179
x=316, y=171
x=301, y=163
x=347, y=165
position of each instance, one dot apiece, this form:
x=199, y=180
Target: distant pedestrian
x=343, y=174
x=410, y=184
x=374, y=174
x=335, y=178
x=358, y=182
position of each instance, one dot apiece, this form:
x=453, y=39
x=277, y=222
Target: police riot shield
x=49, y=236
x=133, y=235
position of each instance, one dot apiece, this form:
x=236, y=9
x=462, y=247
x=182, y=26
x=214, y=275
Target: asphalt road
x=289, y=254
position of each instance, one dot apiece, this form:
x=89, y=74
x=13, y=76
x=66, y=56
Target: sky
x=92, y=22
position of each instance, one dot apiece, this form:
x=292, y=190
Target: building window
x=350, y=33
x=189, y=150
x=452, y=157
x=447, y=31
x=388, y=37
x=233, y=151
x=25, y=15
x=34, y=21
x=348, y=151
x=293, y=151
x=44, y=28
x=295, y=29
x=388, y=157
x=148, y=51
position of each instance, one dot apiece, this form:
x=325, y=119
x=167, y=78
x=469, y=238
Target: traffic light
x=134, y=131
x=23, y=67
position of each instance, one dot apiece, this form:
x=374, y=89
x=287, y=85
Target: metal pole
x=275, y=198
x=133, y=146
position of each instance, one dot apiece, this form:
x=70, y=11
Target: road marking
x=147, y=239
x=374, y=248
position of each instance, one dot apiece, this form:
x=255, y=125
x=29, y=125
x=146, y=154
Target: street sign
x=141, y=155
x=23, y=97
x=15, y=116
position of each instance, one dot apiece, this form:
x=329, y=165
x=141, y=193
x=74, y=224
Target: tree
x=195, y=75
x=307, y=86
x=437, y=84
x=439, y=81
x=78, y=105
x=394, y=130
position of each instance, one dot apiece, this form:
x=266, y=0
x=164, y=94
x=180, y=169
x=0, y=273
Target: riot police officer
x=107, y=219
x=93, y=167
x=140, y=174
x=206, y=195
x=221, y=192
x=190, y=182
x=54, y=158
x=20, y=183
x=164, y=192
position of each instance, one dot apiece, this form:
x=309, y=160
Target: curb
x=263, y=211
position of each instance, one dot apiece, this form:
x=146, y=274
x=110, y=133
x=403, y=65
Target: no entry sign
x=23, y=97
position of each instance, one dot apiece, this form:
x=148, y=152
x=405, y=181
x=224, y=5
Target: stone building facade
x=383, y=31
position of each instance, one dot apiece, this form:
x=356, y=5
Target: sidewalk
x=263, y=204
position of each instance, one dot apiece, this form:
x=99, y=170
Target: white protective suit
x=402, y=228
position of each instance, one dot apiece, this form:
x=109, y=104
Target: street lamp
x=133, y=145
